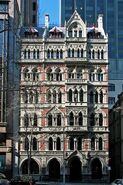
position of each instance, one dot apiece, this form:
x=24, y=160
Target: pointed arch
x=50, y=143
x=58, y=143
x=80, y=119
x=92, y=143
x=71, y=119
x=100, y=119
x=81, y=95
x=34, y=144
x=70, y=95
x=50, y=120
x=26, y=120
x=100, y=144
x=79, y=143
x=58, y=119
x=71, y=140
x=35, y=119
x=92, y=119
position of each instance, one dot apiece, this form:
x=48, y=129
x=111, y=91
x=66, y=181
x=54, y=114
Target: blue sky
x=50, y=7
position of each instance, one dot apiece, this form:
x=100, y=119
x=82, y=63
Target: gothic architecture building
x=63, y=127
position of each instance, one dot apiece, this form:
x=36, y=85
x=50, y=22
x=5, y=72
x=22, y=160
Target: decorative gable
x=75, y=26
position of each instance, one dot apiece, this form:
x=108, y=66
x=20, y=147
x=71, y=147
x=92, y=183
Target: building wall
x=55, y=91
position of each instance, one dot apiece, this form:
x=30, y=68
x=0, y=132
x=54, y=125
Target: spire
x=75, y=7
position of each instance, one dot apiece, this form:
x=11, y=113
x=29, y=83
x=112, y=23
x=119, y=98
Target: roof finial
x=75, y=7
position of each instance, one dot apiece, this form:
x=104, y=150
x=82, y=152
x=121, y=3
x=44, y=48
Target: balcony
x=79, y=81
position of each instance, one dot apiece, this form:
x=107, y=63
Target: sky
x=50, y=7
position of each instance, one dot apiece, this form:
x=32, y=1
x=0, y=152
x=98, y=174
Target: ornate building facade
x=64, y=102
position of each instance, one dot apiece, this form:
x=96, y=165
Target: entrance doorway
x=54, y=170
x=34, y=168
x=75, y=169
x=96, y=169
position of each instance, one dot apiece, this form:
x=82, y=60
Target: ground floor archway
x=75, y=169
x=96, y=169
x=34, y=167
x=54, y=170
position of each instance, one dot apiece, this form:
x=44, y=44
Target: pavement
x=58, y=183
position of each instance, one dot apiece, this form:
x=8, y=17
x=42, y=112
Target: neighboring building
x=9, y=21
x=64, y=102
x=5, y=142
x=116, y=138
x=29, y=12
x=113, y=25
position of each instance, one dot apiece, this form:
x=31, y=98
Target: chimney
x=47, y=18
x=100, y=21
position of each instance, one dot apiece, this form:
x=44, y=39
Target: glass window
x=111, y=100
x=111, y=87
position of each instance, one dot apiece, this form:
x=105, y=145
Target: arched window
x=98, y=54
x=58, y=144
x=50, y=120
x=52, y=54
x=25, y=97
x=60, y=97
x=26, y=120
x=81, y=53
x=34, y=74
x=79, y=143
x=102, y=54
x=57, y=54
x=69, y=53
x=35, y=119
x=80, y=119
x=58, y=74
x=101, y=97
x=54, y=96
x=59, y=120
x=96, y=97
x=92, y=119
x=49, y=97
x=26, y=74
x=80, y=33
x=48, y=54
x=81, y=95
x=50, y=143
x=91, y=97
x=25, y=54
x=38, y=54
x=26, y=144
x=75, y=95
x=34, y=54
x=71, y=119
x=89, y=54
x=28, y=54
x=70, y=95
x=31, y=97
x=93, y=54
x=100, y=144
x=36, y=97
x=49, y=74
x=34, y=143
x=100, y=75
x=72, y=52
x=100, y=119
x=71, y=143
x=61, y=54
x=78, y=53
x=92, y=143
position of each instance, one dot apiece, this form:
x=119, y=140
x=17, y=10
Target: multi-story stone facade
x=64, y=102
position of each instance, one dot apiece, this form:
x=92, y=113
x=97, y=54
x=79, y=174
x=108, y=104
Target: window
x=35, y=119
x=80, y=119
x=111, y=100
x=101, y=97
x=91, y=97
x=79, y=143
x=34, y=6
x=71, y=143
x=70, y=95
x=49, y=120
x=71, y=119
x=81, y=95
x=34, y=19
x=26, y=120
x=93, y=143
x=100, y=144
x=34, y=143
x=100, y=119
x=59, y=120
x=96, y=97
x=50, y=143
x=58, y=144
x=26, y=144
x=92, y=119
x=111, y=87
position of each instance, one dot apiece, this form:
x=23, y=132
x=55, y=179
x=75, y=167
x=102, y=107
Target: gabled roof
x=56, y=30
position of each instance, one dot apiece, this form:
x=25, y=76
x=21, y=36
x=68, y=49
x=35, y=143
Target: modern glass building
x=112, y=11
